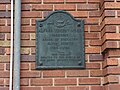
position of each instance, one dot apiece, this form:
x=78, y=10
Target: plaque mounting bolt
x=79, y=25
x=80, y=62
x=40, y=25
x=40, y=63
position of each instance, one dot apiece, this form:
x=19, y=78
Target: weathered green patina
x=60, y=42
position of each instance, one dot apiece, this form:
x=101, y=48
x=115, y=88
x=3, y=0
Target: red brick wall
x=102, y=46
x=110, y=35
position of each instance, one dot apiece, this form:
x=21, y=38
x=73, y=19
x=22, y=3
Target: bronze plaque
x=60, y=42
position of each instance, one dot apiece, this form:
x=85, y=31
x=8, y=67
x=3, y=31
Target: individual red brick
x=53, y=1
x=4, y=14
x=4, y=74
x=53, y=88
x=4, y=1
x=96, y=57
x=89, y=81
x=79, y=14
x=67, y=81
x=78, y=88
x=113, y=70
x=32, y=14
x=68, y=7
x=92, y=65
x=54, y=73
x=96, y=73
x=26, y=7
x=109, y=13
x=30, y=88
x=77, y=73
x=25, y=36
x=5, y=29
x=92, y=35
x=5, y=43
x=2, y=7
x=94, y=28
x=91, y=21
x=28, y=29
x=28, y=58
x=114, y=53
x=31, y=1
x=92, y=50
x=1, y=82
x=4, y=88
x=87, y=6
x=112, y=5
x=95, y=42
x=75, y=1
x=43, y=7
x=2, y=51
x=112, y=36
x=94, y=13
x=96, y=88
x=30, y=74
x=41, y=82
x=28, y=43
x=111, y=79
x=4, y=58
x=114, y=21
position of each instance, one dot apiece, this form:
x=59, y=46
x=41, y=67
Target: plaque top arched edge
x=59, y=11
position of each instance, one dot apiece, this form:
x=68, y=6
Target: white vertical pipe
x=11, y=52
